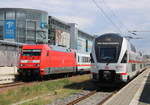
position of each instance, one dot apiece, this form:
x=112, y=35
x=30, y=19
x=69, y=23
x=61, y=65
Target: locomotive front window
x=107, y=55
x=31, y=52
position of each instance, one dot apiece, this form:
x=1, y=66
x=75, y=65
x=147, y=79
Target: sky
x=119, y=16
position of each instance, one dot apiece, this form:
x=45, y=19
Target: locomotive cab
x=30, y=61
x=115, y=59
x=38, y=61
x=110, y=57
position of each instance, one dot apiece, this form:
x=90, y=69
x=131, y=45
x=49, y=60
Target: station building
x=35, y=26
x=67, y=34
x=23, y=25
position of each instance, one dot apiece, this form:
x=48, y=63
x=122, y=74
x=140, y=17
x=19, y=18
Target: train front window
x=31, y=52
x=107, y=55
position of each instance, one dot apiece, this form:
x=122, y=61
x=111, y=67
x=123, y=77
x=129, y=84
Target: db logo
x=106, y=68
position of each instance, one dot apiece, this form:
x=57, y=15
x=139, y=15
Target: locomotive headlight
x=21, y=64
x=36, y=61
x=24, y=61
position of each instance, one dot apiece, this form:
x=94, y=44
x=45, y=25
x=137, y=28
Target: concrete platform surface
x=8, y=70
x=7, y=74
x=137, y=92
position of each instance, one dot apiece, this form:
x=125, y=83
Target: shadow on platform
x=145, y=96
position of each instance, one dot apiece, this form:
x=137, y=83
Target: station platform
x=137, y=92
x=7, y=74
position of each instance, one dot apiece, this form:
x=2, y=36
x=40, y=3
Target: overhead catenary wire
x=101, y=10
x=114, y=14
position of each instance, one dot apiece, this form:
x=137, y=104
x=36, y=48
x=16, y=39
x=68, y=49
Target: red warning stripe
x=133, y=61
x=84, y=65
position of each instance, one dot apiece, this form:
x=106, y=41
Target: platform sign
x=10, y=29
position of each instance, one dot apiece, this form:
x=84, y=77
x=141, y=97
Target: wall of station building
x=23, y=25
x=59, y=33
x=9, y=53
x=68, y=35
x=84, y=42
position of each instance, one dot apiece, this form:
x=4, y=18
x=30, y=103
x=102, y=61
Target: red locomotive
x=41, y=60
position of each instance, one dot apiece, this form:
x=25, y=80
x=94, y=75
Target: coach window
x=124, y=59
x=140, y=66
x=133, y=67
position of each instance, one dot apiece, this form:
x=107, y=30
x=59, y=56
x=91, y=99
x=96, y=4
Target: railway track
x=92, y=98
x=81, y=98
x=2, y=86
x=13, y=84
x=95, y=97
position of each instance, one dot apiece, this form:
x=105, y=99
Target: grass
x=56, y=89
x=48, y=99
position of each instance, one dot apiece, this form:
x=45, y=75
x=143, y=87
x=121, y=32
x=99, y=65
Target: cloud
x=67, y=10
x=129, y=4
x=82, y=22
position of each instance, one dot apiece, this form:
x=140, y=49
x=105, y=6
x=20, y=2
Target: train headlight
x=36, y=61
x=24, y=61
x=21, y=64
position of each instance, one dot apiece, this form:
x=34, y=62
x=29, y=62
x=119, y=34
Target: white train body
x=83, y=62
x=115, y=59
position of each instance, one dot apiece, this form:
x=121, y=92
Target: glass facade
x=23, y=25
x=84, y=42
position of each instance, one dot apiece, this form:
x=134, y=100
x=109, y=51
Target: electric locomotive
x=38, y=61
x=115, y=59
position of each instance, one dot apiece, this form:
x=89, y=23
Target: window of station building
x=44, y=17
x=20, y=15
x=21, y=40
x=29, y=15
x=31, y=34
x=21, y=32
x=10, y=15
x=21, y=24
x=31, y=24
x=79, y=44
x=1, y=29
x=1, y=15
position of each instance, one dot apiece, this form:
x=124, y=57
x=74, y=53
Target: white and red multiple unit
x=40, y=60
x=115, y=59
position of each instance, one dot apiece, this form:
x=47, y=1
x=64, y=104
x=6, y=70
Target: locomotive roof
x=52, y=47
x=59, y=48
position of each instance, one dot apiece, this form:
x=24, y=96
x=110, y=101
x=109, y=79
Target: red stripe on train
x=85, y=65
x=132, y=61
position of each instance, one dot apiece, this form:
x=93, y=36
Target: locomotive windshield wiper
x=107, y=59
